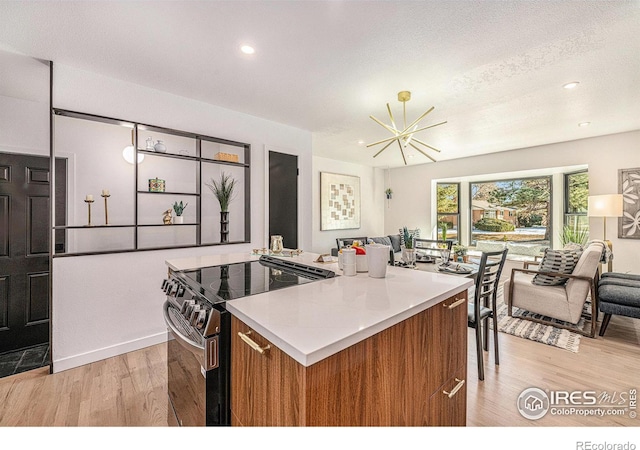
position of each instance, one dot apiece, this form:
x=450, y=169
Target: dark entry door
x=24, y=251
x=283, y=197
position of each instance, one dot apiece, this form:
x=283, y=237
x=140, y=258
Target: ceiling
x=493, y=70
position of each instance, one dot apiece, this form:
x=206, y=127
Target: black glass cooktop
x=231, y=281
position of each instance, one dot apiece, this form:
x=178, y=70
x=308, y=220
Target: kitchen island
x=349, y=350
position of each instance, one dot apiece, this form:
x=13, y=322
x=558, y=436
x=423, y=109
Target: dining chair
x=484, y=306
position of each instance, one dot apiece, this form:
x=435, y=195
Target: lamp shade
x=609, y=205
x=128, y=153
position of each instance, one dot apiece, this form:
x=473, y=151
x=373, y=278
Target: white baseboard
x=108, y=352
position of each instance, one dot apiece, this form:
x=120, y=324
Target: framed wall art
x=629, y=187
x=339, y=201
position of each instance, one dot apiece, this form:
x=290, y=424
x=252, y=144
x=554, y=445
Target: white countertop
x=315, y=320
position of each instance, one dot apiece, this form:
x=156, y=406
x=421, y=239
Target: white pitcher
x=377, y=260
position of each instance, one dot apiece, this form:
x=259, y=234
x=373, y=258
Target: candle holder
x=89, y=202
x=106, y=209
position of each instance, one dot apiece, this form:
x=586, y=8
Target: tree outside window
x=448, y=208
x=511, y=210
x=576, y=195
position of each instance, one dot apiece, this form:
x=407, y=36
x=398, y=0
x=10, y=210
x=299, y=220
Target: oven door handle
x=195, y=347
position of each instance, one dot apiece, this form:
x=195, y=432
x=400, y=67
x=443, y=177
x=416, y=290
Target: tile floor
x=23, y=360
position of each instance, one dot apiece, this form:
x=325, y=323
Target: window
x=517, y=210
x=448, y=209
x=576, y=193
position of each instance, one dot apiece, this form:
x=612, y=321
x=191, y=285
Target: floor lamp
x=604, y=206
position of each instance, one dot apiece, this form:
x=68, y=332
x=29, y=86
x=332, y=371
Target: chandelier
x=405, y=137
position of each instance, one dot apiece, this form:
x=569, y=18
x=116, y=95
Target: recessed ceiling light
x=584, y=124
x=247, y=50
x=571, y=85
x=360, y=142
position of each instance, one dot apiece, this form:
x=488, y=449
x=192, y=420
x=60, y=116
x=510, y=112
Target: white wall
x=372, y=202
x=24, y=105
x=109, y=304
x=604, y=156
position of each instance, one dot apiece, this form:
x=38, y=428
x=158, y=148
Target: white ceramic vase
x=409, y=256
x=160, y=147
x=178, y=219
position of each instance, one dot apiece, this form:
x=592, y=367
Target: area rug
x=546, y=334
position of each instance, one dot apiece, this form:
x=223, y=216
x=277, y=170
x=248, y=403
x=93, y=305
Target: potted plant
x=388, y=192
x=408, y=252
x=444, y=228
x=224, y=190
x=573, y=235
x=178, y=208
x=460, y=251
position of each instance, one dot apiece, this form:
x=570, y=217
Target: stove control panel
x=195, y=309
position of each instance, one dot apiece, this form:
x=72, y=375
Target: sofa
x=393, y=241
x=618, y=294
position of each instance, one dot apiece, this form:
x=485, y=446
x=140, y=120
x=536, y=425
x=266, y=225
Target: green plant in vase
x=409, y=252
x=444, y=229
x=178, y=208
x=224, y=190
x=574, y=235
x=408, y=238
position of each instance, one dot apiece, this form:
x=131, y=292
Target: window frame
x=566, y=215
x=448, y=214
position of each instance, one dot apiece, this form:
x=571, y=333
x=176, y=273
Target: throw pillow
x=395, y=243
x=557, y=261
x=573, y=246
x=384, y=240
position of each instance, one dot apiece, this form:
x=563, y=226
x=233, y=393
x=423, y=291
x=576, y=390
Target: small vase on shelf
x=224, y=226
x=160, y=147
x=178, y=219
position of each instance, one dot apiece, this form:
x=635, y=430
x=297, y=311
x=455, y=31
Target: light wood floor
x=130, y=390
x=127, y=390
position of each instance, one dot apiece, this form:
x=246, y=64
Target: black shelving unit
x=139, y=194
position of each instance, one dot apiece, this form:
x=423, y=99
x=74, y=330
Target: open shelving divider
x=198, y=159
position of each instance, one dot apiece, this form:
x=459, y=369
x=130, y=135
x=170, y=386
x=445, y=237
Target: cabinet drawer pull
x=455, y=390
x=455, y=304
x=253, y=344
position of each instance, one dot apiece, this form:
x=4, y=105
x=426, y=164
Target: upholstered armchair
x=558, y=290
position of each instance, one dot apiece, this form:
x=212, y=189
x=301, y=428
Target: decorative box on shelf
x=156, y=185
x=220, y=156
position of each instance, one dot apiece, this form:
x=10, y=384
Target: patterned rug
x=546, y=334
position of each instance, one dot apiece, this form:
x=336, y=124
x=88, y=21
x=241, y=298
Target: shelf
x=167, y=155
x=188, y=170
x=79, y=227
x=140, y=225
x=219, y=161
x=169, y=193
x=191, y=158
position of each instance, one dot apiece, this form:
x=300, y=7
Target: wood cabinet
x=412, y=374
